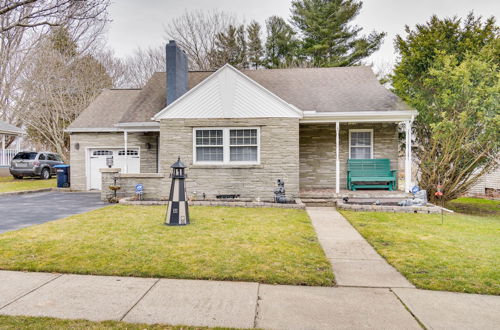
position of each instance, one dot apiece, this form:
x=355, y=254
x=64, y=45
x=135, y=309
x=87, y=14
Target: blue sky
x=140, y=23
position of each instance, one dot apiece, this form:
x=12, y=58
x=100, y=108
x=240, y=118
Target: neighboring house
x=488, y=185
x=8, y=130
x=239, y=131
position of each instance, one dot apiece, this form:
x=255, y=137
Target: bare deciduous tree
x=142, y=64
x=35, y=13
x=196, y=33
x=23, y=24
x=58, y=86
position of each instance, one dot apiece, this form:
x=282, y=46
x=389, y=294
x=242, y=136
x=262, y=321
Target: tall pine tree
x=255, y=49
x=231, y=47
x=281, y=44
x=328, y=38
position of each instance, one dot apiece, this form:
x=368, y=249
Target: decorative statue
x=279, y=192
x=419, y=199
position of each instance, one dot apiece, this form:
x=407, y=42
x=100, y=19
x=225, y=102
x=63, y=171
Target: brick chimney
x=177, y=72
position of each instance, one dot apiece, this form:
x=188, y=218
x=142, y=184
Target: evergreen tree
x=281, y=44
x=231, y=47
x=328, y=38
x=255, y=49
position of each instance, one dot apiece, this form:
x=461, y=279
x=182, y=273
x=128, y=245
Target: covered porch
x=10, y=137
x=329, y=140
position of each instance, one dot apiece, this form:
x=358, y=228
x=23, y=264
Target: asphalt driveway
x=18, y=211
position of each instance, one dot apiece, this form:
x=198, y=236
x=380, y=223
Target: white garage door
x=98, y=160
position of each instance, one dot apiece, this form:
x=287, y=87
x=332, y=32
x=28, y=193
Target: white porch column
x=125, y=138
x=408, y=156
x=18, y=143
x=337, y=158
x=3, y=150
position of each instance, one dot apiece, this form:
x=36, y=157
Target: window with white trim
x=227, y=145
x=361, y=143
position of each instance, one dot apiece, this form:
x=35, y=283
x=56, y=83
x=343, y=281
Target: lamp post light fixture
x=109, y=161
x=177, y=210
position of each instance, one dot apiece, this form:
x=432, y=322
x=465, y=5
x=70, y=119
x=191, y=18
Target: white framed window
x=361, y=143
x=228, y=145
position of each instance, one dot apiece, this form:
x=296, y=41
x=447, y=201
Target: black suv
x=27, y=163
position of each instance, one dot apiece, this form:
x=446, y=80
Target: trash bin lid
x=61, y=166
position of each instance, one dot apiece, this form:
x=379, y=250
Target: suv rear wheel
x=45, y=174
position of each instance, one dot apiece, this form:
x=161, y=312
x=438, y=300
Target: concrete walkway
x=354, y=261
x=383, y=300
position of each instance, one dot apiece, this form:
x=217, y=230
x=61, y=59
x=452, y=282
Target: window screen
x=361, y=145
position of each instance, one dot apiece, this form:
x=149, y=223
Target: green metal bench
x=370, y=173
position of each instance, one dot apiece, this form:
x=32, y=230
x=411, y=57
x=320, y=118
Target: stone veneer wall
x=115, y=140
x=317, y=151
x=154, y=184
x=279, y=157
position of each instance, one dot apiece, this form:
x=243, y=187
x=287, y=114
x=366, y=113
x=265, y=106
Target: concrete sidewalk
x=240, y=304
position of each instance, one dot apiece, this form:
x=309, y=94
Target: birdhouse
x=177, y=210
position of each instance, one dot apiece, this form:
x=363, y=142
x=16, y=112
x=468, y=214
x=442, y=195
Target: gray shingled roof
x=106, y=110
x=342, y=89
x=152, y=98
x=6, y=128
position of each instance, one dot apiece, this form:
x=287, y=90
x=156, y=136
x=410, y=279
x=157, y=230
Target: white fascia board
x=93, y=130
x=139, y=126
x=359, y=116
x=12, y=132
x=160, y=114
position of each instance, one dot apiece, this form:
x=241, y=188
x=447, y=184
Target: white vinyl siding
x=226, y=145
x=361, y=143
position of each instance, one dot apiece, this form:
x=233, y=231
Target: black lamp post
x=177, y=210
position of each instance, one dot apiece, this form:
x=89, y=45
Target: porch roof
x=9, y=129
x=358, y=116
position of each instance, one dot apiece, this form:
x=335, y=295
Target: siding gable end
x=229, y=93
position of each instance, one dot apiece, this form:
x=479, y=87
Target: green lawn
x=473, y=205
x=462, y=254
x=9, y=184
x=266, y=245
x=42, y=323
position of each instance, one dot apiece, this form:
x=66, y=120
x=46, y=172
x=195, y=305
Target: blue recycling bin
x=62, y=176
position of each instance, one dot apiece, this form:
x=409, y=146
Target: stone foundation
x=430, y=209
x=297, y=205
x=155, y=185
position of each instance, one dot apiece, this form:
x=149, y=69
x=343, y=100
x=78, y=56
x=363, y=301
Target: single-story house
x=238, y=131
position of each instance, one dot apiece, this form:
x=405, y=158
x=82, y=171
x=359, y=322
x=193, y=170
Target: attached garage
x=97, y=160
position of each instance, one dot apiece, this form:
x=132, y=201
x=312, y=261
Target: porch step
x=319, y=201
x=328, y=194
